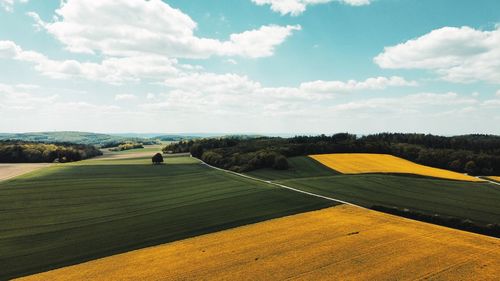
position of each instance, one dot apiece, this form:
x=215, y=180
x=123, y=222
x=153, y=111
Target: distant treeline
x=463, y=224
x=31, y=152
x=127, y=146
x=473, y=154
x=99, y=140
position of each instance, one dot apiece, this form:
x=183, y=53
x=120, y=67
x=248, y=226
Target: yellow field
x=495, y=178
x=339, y=243
x=358, y=163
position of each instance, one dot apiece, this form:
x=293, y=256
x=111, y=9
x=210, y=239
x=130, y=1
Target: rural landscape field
x=249, y=140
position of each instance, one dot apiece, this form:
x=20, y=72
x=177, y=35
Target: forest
x=127, y=146
x=99, y=140
x=33, y=152
x=473, y=154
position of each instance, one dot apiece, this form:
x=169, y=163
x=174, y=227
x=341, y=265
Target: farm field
x=477, y=201
x=362, y=163
x=11, y=170
x=300, y=167
x=339, y=243
x=495, y=178
x=71, y=213
x=148, y=149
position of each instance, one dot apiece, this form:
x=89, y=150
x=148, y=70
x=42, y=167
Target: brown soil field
x=8, y=171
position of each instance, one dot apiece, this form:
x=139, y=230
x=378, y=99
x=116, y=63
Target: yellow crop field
x=339, y=243
x=358, y=163
x=495, y=178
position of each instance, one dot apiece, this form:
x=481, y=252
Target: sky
x=250, y=66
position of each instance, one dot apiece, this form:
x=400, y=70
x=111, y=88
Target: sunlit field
x=360, y=163
x=339, y=243
x=495, y=178
x=70, y=213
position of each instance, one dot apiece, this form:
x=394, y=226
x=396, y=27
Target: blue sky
x=250, y=66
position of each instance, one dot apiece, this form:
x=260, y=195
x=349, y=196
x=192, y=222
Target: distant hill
x=180, y=137
x=99, y=140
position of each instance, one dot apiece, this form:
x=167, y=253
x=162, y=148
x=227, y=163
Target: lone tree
x=157, y=159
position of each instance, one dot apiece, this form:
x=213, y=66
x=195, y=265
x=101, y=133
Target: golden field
x=495, y=178
x=339, y=243
x=359, y=163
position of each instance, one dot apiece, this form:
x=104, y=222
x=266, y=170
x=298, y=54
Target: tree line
x=32, y=152
x=473, y=154
x=127, y=146
x=458, y=223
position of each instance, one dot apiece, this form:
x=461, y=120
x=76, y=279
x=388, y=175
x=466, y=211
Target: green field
x=300, y=167
x=70, y=213
x=147, y=148
x=475, y=201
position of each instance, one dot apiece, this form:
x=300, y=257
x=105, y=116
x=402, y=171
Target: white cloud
x=456, y=54
x=125, y=97
x=157, y=28
x=18, y=97
x=498, y=93
x=377, y=83
x=8, y=5
x=297, y=7
x=236, y=94
x=421, y=103
x=492, y=103
x=110, y=70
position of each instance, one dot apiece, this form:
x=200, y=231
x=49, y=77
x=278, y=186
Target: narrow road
x=488, y=180
x=281, y=185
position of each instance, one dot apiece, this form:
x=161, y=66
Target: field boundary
x=281, y=185
x=330, y=198
x=37, y=166
x=485, y=178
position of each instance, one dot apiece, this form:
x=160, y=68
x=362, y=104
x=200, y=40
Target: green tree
x=456, y=165
x=280, y=163
x=471, y=168
x=157, y=159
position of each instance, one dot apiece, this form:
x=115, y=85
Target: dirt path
x=488, y=180
x=11, y=170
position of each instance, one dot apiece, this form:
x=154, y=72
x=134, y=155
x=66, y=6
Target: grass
x=340, y=243
x=359, y=163
x=147, y=148
x=299, y=167
x=476, y=201
x=71, y=213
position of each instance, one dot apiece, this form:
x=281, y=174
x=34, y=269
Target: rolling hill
x=339, y=243
x=71, y=213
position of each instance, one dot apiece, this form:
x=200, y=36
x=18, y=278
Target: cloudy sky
x=250, y=66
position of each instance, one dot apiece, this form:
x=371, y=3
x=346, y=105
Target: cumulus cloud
x=376, y=83
x=409, y=102
x=456, y=54
x=8, y=5
x=110, y=70
x=157, y=28
x=237, y=94
x=297, y=7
